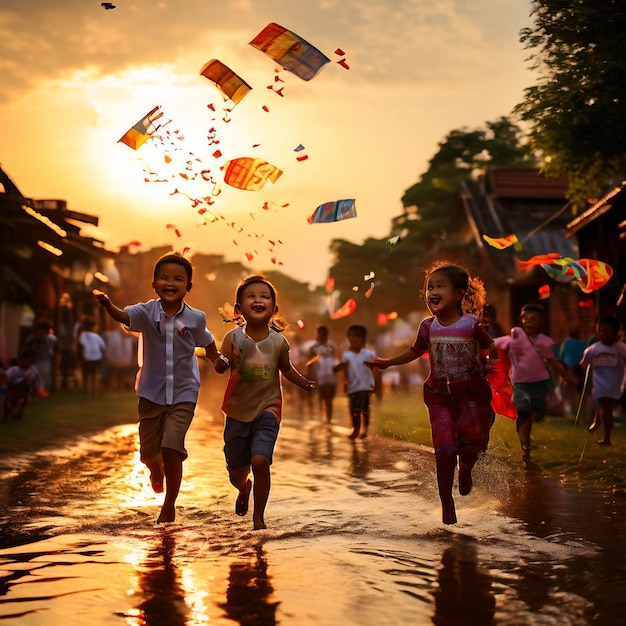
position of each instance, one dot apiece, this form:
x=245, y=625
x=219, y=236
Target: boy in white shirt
x=360, y=380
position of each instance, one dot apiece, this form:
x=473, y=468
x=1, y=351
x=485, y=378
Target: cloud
x=390, y=42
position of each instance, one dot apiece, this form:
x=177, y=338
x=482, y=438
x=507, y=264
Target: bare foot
x=157, y=476
x=259, y=524
x=241, y=504
x=602, y=442
x=167, y=514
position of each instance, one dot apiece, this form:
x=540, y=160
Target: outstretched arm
x=295, y=377
x=119, y=315
x=406, y=356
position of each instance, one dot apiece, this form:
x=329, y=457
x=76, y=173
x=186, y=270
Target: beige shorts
x=163, y=427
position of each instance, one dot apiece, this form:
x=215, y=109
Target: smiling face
x=256, y=304
x=171, y=283
x=442, y=298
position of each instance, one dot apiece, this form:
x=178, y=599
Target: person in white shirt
x=607, y=359
x=360, y=380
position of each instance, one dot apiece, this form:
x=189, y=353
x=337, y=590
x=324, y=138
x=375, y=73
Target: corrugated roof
x=522, y=205
x=508, y=182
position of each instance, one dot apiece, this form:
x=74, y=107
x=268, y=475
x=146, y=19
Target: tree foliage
x=577, y=108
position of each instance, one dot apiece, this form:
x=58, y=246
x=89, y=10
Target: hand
x=221, y=364
x=101, y=297
x=377, y=363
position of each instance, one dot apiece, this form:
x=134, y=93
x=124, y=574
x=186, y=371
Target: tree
x=577, y=108
x=463, y=154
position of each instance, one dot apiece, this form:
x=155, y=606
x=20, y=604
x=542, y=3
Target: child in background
x=530, y=353
x=22, y=382
x=322, y=361
x=360, y=380
x=607, y=359
x=253, y=399
x=92, y=352
x=456, y=391
x=169, y=380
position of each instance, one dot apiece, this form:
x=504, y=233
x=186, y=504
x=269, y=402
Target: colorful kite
x=539, y=259
x=230, y=84
x=249, y=173
x=333, y=212
x=597, y=275
x=290, y=50
x=136, y=136
x=347, y=309
x=501, y=243
x=383, y=318
x=588, y=274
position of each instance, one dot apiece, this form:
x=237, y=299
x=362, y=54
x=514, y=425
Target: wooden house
x=522, y=202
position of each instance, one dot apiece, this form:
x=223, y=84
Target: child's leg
x=240, y=479
x=445, y=479
x=355, y=415
x=466, y=464
x=366, y=413
x=265, y=433
x=606, y=407
x=173, y=470
x=443, y=430
x=524, y=426
x=262, y=483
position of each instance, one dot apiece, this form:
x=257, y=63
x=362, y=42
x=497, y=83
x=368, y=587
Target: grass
x=49, y=422
x=561, y=448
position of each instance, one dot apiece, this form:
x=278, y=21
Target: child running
x=253, y=400
x=169, y=380
x=530, y=353
x=360, y=381
x=456, y=391
x=607, y=359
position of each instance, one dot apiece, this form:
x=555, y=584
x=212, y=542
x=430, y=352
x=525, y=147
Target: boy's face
x=532, y=322
x=356, y=341
x=256, y=304
x=171, y=282
x=606, y=333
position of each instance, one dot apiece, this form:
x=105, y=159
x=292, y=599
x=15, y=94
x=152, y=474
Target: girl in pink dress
x=456, y=391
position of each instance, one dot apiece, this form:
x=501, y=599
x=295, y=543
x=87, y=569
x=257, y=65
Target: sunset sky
x=75, y=77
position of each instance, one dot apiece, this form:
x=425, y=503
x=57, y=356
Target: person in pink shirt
x=530, y=352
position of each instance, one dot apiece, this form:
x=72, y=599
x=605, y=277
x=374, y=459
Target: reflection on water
x=354, y=537
x=464, y=588
x=159, y=584
x=249, y=591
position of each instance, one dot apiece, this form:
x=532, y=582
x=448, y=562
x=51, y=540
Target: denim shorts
x=243, y=440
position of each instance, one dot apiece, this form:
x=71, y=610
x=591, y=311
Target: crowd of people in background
x=81, y=358
x=94, y=361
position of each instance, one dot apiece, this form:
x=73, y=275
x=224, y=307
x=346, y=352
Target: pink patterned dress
x=456, y=392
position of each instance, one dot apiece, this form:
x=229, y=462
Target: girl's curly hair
x=475, y=294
